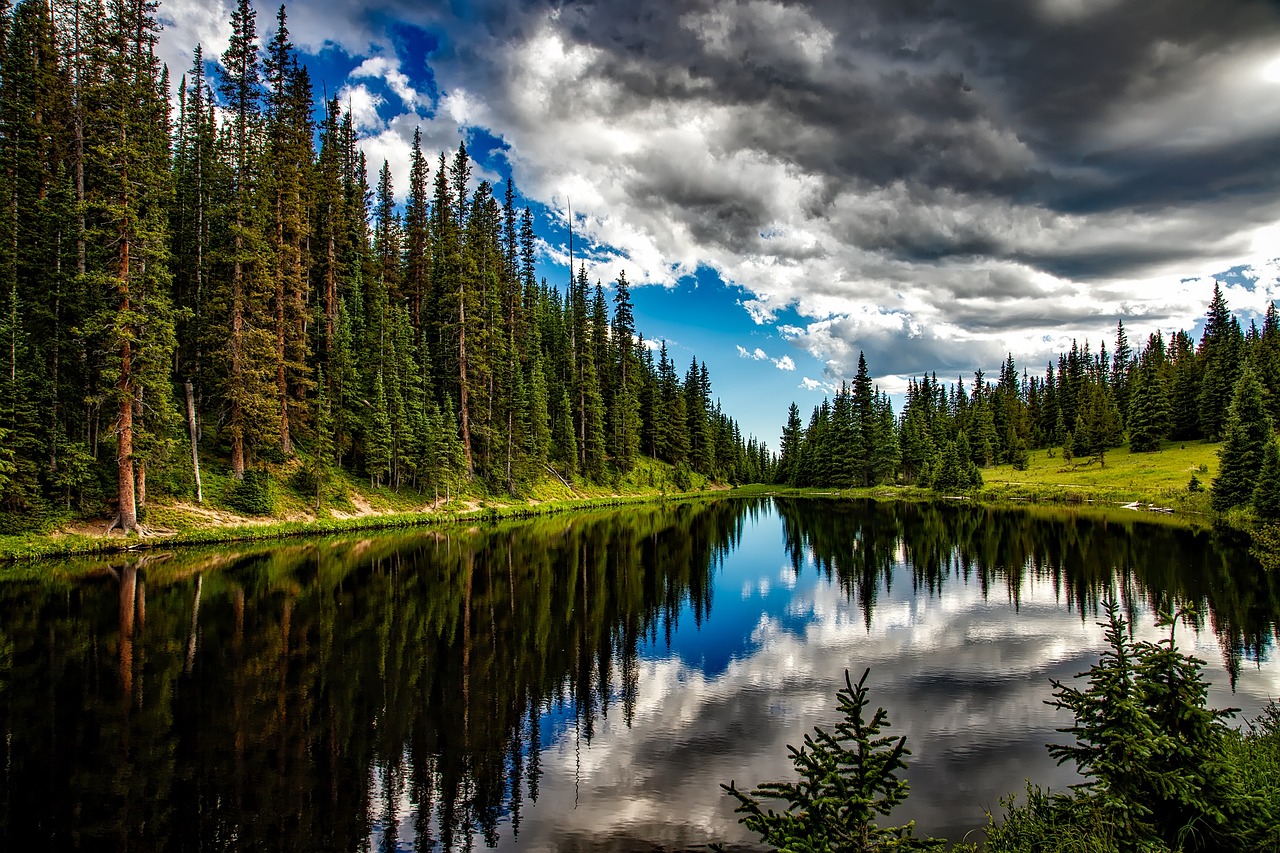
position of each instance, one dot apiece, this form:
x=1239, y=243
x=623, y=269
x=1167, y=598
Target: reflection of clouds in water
x=964, y=675
x=964, y=678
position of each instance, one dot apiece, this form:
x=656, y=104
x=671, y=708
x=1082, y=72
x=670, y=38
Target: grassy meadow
x=1161, y=478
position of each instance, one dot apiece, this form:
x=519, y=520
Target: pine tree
x=1247, y=431
x=789, y=443
x=1148, y=404
x=243, y=342
x=1153, y=755
x=378, y=452
x=1268, y=360
x=848, y=778
x=624, y=413
x=131, y=237
x=1266, y=494
x=1098, y=424
x=288, y=153
x=1219, y=356
x=322, y=451
x=1121, y=372
x=416, y=236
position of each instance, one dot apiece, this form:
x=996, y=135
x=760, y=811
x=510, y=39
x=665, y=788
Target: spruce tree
x=1148, y=407
x=1268, y=360
x=1266, y=494
x=378, y=452
x=1219, y=355
x=789, y=443
x=1247, y=431
x=131, y=235
x=243, y=341
x=322, y=451
x=848, y=780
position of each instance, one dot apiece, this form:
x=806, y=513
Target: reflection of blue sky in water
x=964, y=676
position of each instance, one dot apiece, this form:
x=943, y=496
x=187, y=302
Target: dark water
x=574, y=683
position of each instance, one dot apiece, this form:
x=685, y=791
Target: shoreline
x=21, y=548
x=54, y=545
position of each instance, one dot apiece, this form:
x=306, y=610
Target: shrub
x=252, y=495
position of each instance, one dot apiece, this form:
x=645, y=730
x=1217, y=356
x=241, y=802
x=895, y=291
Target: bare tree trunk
x=128, y=511
x=140, y=466
x=237, y=359
x=282, y=384
x=191, y=428
x=462, y=377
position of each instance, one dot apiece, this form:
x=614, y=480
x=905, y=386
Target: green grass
x=350, y=504
x=1161, y=477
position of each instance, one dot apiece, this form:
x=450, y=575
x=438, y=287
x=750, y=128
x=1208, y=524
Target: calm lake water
x=573, y=683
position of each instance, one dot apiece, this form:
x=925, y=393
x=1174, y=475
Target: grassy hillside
x=1161, y=478
x=349, y=503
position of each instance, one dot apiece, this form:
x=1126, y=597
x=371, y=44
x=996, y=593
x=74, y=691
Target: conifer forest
x=1223, y=388
x=210, y=266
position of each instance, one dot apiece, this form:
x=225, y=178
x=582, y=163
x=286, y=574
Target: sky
x=935, y=183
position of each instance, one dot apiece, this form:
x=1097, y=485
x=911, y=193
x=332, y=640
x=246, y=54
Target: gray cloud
x=989, y=175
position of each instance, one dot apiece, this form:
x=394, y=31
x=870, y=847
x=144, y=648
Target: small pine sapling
x=849, y=777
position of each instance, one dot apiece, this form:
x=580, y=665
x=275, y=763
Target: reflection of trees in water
x=308, y=696
x=314, y=695
x=860, y=544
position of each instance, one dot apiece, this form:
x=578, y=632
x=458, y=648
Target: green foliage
x=1151, y=752
x=1020, y=456
x=1247, y=431
x=1266, y=494
x=1148, y=416
x=252, y=495
x=849, y=778
x=1194, y=484
x=955, y=470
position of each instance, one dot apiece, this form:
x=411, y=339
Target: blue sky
x=788, y=184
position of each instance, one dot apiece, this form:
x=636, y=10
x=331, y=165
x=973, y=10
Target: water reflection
x=568, y=683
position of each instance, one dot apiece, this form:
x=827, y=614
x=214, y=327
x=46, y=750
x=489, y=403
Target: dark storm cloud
x=936, y=181
x=1006, y=100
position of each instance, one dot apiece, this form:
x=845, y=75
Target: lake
x=577, y=682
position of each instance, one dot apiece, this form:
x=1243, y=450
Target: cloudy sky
x=934, y=182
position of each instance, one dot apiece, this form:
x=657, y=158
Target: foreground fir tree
x=849, y=777
x=1247, y=431
x=1153, y=755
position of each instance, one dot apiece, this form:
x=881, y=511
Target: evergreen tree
x=1219, y=355
x=1148, y=404
x=130, y=236
x=624, y=413
x=322, y=452
x=1121, y=372
x=790, y=442
x=1266, y=494
x=1098, y=425
x=378, y=452
x=848, y=779
x=1268, y=360
x=1153, y=754
x=1247, y=431
x=244, y=345
x=288, y=151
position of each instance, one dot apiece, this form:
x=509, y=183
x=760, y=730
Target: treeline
x=1226, y=387
x=228, y=272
